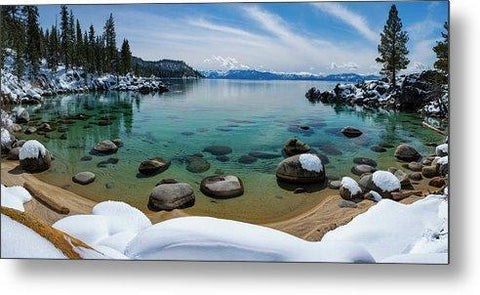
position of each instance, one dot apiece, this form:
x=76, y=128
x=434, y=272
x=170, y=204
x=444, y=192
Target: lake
x=244, y=115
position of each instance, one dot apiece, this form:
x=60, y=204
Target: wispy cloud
x=354, y=20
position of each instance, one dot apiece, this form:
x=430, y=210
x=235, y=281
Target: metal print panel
x=274, y=132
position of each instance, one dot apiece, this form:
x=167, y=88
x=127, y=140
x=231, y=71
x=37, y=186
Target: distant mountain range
x=165, y=68
x=250, y=74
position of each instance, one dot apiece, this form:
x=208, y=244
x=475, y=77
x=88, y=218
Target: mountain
x=165, y=68
x=265, y=75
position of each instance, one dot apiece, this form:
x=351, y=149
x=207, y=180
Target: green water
x=244, y=115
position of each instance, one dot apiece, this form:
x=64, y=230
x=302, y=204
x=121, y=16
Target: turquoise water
x=244, y=115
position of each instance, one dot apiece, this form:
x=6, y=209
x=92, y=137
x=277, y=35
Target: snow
x=206, y=238
x=19, y=241
x=111, y=224
x=6, y=139
x=311, y=162
x=376, y=196
x=14, y=197
x=429, y=258
x=386, y=181
x=390, y=228
x=32, y=149
x=442, y=149
x=442, y=160
x=351, y=185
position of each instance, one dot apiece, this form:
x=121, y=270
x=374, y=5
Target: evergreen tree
x=53, y=49
x=78, y=48
x=65, y=35
x=91, y=50
x=110, y=45
x=393, y=46
x=71, y=44
x=125, y=58
x=33, y=37
x=441, y=50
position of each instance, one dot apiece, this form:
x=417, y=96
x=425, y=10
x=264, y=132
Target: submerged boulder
x=407, y=153
x=301, y=169
x=105, y=147
x=197, y=164
x=295, y=146
x=218, y=150
x=350, y=131
x=34, y=157
x=169, y=196
x=153, y=166
x=222, y=186
x=84, y=178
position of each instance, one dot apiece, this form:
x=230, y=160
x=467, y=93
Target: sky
x=320, y=38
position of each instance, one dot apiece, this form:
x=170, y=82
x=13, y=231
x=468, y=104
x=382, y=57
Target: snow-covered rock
x=349, y=189
x=311, y=162
x=34, y=157
x=442, y=150
x=386, y=181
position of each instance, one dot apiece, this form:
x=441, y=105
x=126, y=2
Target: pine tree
x=393, y=46
x=53, y=54
x=91, y=50
x=65, y=35
x=71, y=44
x=125, y=58
x=78, y=48
x=441, y=50
x=33, y=46
x=110, y=45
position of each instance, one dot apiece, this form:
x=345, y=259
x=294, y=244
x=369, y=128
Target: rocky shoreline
x=425, y=93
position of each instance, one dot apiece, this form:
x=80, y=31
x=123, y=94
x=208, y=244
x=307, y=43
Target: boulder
x=362, y=169
x=34, y=157
x=295, y=146
x=442, y=165
x=437, y=182
x=373, y=196
x=106, y=147
x=404, y=180
x=153, y=166
x=118, y=142
x=429, y=171
x=218, y=150
x=13, y=154
x=301, y=169
x=442, y=150
x=335, y=184
x=378, y=149
x=407, y=153
x=84, y=178
x=196, y=164
x=351, y=132
x=247, y=159
x=383, y=182
x=22, y=116
x=415, y=166
x=45, y=127
x=365, y=161
x=350, y=190
x=416, y=176
x=222, y=186
x=342, y=203
x=171, y=196
x=30, y=130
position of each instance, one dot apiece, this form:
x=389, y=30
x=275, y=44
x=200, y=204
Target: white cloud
x=356, y=21
x=348, y=66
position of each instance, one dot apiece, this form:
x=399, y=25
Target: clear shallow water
x=244, y=115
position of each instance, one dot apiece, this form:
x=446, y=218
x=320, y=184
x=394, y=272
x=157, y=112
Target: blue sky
x=329, y=37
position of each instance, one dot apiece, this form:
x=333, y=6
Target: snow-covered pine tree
x=393, y=46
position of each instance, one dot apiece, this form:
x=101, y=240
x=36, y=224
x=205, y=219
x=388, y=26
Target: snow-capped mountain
x=250, y=74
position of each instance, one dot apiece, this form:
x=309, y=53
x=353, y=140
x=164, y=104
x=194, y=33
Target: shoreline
x=310, y=225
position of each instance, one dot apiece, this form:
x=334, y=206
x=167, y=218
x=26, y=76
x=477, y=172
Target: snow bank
x=391, y=228
x=111, y=224
x=311, y=162
x=442, y=160
x=32, y=149
x=14, y=197
x=351, y=185
x=206, y=238
x=386, y=181
x=19, y=241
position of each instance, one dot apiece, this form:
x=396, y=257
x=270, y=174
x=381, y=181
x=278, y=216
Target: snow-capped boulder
x=407, y=153
x=222, y=187
x=442, y=165
x=295, y=146
x=301, y=169
x=6, y=140
x=21, y=115
x=34, y=157
x=442, y=150
x=171, y=196
x=350, y=190
x=383, y=182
